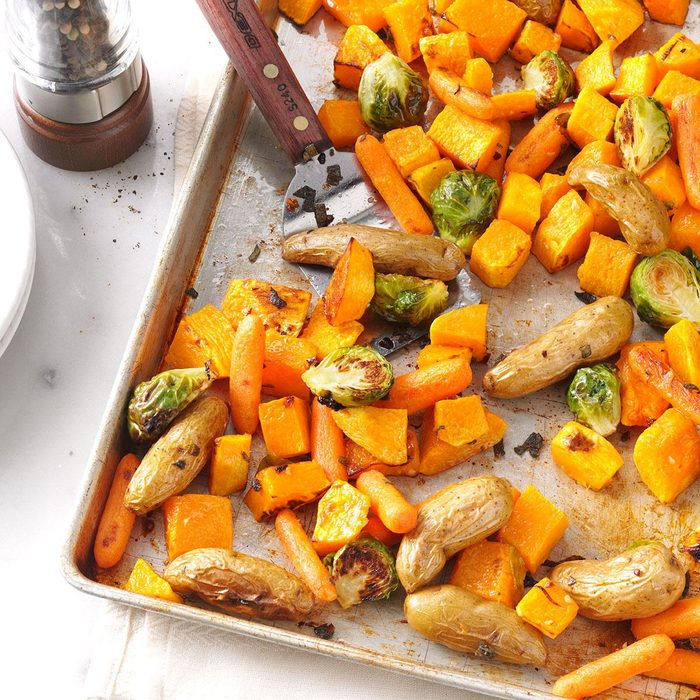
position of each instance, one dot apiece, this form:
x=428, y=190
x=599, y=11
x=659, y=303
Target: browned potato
x=176, y=458
x=241, y=584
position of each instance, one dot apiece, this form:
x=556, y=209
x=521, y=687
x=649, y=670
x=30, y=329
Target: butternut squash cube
x=285, y=427
x=498, y=163
x=683, y=350
x=492, y=26
x=553, y=188
x=501, y=251
x=602, y=221
x=145, y=581
x=516, y=105
x=533, y=39
x=521, y=199
x=439, y=6
x=667, y=11
x=585, y=456
x=286, y=486
x=667, y=455
x=617, y=19
x=564, y=235
x=478, y=75
x=607, y=267
x=681, y=54
x=445, y=27
x=469, y=142
x=460, y=421
x=409, y=21
x=534, y=527
x=675, y=83
x=450, y=52
x=596, y=152
x=592, y=118
x=410, y=148
x=685, y=229
x=432, y=354
x=350, y=12
x=300, y=11
x=638, y=75
x=342, y=513
x=493, y=570
x=548, y=608
x=342, y=121
x=356, y=50
x=381, y=431
x=574, y=29
x=464, y=327
x=426, y=178
x=286, y=359
x=327, y=338
x=664, y=179
x=358, y=459
x=597, y=70
x=195, y=520
x=230, y=460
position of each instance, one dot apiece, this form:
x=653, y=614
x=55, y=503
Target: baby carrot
x=327, y=442
x=687, y=111
x=297, y=546
x=604, y=673
x=377, y=529
x=680, y=621
x=117, y=520
x=245, y=381
x=683, y=666
x=387, y=501
x=452, y=90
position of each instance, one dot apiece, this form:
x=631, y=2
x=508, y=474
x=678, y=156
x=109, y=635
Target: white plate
x=17, y=242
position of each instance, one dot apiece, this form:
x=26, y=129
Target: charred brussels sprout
x=406, y=299
x=666, y=289
x=391, y=94
x=353, y=376
x=464, y=204
x=642, y=133
x=362, y=570
x=551, y=77
x=594, y=398
x=155, y=403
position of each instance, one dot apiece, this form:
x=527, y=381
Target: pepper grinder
x=82, y=91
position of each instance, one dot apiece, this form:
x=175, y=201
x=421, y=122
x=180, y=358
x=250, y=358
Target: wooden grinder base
x=90, y=146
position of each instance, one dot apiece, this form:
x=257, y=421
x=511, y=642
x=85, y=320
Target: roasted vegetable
x=176, y=458
x=593, y=332
x=642, y=133
x=453, y=518
x=362, y=570
x=665, y=289
x=551, y=77
x=405, y=299
x=391, y=94
x=642, y=217
x=341, y=515
x=240, y=584
x=383, y=432
x=354, y=376
x=463, y=621
x=594, y=397
x=548, y=608
x=464, y=204
x=640, y=582
x=544, y=11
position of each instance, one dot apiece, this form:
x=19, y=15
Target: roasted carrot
x=387, y=501
x=452, y=90
x=297, y=546
x=606, y=672
x=686, y=109
x=377, y=529
x=683, y=666
x=541, y=146
x=422, y=388
x=245, y=381
x=117, y=520
x=385, y=176
x=327, y=442
x=680, y=621
x=683, y=397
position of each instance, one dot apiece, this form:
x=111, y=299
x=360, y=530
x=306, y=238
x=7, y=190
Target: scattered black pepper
x=586, y=351
x=533, y=444
x=586, y=297
x=255, y=254
x=255, y=485
x=499, y=450
x=276, y=300
x=333, y=175
x=180, y=464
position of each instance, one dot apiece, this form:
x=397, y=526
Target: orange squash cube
x=381, y=431
x=356, y=50
x=673, y=12
x=478, y=75
x=145, y=581
x=521, y=199
x=342, y=121
x=460, y=421
x=638, y=75
x=602, y=221
x=358, y=459
x=548, y=608
x=613, y=20
x=342, y=514
x=533, y=39
x=592, y=118
x=664, y=179
x=594, y=153
x=464, y=327
x=534, y=527
x=563, y=236
x=597, y=70
x=683, y=350
x=286, y=359
x=228, y=470
x=681, y=54
x=285, y=427
x=409, y=21
x=426, y=178
x=493, y=570
x=410, y=148
x=327, y=338
x=574, y=29
x=196, y=520
x=432, y=354
x=351, y=286
x=673, y=84
x=300, y=11
x=685, y=229
x=498, y=163
x=516, y=105
x=350, y=12
x=450, y=52
x=553, y=188
x=607, y=267
x=500, y=252
x=667, y=455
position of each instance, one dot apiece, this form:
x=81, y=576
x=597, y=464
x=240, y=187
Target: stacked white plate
x=17, y=242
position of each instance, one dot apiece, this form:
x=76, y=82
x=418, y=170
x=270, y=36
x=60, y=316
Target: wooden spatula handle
x=253, y=50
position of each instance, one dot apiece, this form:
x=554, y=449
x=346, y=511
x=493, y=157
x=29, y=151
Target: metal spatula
x=329, y=186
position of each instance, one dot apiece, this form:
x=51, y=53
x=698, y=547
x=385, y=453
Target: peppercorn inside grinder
x=82, y=91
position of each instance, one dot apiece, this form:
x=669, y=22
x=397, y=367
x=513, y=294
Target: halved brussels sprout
x=155, y=403
x=643, y=133
x=543, y=11
x=594, y=398
x=391, y=94
x=464, y=204
x=406, y=299
x=666, y=289
x=362, y=570
x=352, y=376
x=551, y=77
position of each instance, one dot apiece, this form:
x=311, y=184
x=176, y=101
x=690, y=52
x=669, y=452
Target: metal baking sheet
x=232, y=201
